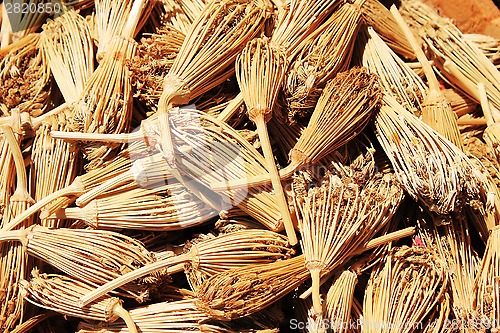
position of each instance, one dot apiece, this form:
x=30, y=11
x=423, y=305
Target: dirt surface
x=471, y=16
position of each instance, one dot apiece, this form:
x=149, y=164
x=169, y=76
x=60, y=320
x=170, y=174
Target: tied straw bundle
x=377, y=16
x=458, y=59
x=324, y=53
x=60, y=294
x=212, y=256
x=395, y=76
x=490, y=46
x=343, y=110
x=403, y=290
x=436, y=111
x=13, y=258
x=257, y=62
x=94, y=256
x=429, y=167
x=339, y=216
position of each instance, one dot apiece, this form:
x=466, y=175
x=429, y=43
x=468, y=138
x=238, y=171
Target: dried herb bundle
x=24, y=78
x=61, y=294
x=324, y=53
x=340, y=215
x=395, y=76
x=403, y=290
x=429, y=167
x=260, y=69
x=240, y=292
x=213, y=256
x=94, y=256
x=378, y=16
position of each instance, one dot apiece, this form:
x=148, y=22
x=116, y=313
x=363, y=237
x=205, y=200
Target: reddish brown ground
x=471, y=16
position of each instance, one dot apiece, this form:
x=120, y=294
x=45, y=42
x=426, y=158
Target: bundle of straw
x=105, y=105
x=395, y=76
x=453, y=244
x=339, y=301
x=490, y=46
x=154, y=57
x=61, y=293
x=25, y=78
x=181, y=14
x=436, y=111
x=402, y=291
x=340, y=215
x=214, y=40
x=243, y=291
x=457, y=58
x=84, y=182
x=429, y=167
x=260, y=61
x=378, y=16
x=487, y=286
x=18, y=23
x=13, y=258
x=343, y=110
x=93, y=256
x=324, y=53
x=213, y=256
x=491, y=134
x=167, y=207
x=460, y=102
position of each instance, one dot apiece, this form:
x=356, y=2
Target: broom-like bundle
x=94, y=256
x=452, y=243
x=339, y=216
x=297, y=20
x=19, y=19
x=166, y=207
x=436, y=111
x=403, y=291
x=214, y=40
x=458, y=59
x=487, y=286
x=460, y=102
x=61, y=294
x=429, y=167
x=378, y=16
x=240, y=292
x=13, y=259
x=154, y=57
x=260, y=69
x=181, y=14
x=490, y=46
x=213, y=256
x=84, y=182
x=25, y=78
x=343, y=110
x=491, y=134
x=324, y=53
x=67, y=45
x=395, y=76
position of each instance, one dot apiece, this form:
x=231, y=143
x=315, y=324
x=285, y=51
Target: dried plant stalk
x=458, y=59
x=403, y=290
x=68, y=49
x=324, y=53
x=164, y=207
x=14, y=264
x=260, y=69
x=181, y=14
x=395, y=76
x=339, y=301
x=490, y=46
x=297, y=20
x=339, y=216
x=61, y=294
x=93, y=256
x=436, y=111
x=214, y=40
x=240, y=292
x=85, y=182
x=378, y=16
x=429, y=167
x=491, y=134
x=213, y=256
x=487, y=286
x=25, y=78
x=460, y=102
